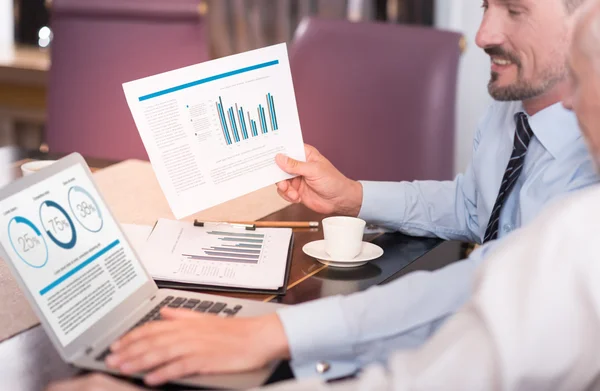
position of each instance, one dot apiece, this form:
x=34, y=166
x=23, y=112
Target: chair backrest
x=100, y=44
x=378, y=100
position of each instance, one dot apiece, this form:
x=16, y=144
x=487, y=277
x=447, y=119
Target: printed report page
x=212, y=130
x=68, y=251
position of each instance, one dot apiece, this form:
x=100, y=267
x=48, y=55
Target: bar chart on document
x=217, y=254
x=241, y=125
x=230, y=247
x=212, y=130
x=226, y=256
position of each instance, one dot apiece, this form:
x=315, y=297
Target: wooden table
x=30, y=361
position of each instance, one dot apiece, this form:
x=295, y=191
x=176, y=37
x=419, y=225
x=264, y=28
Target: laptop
x=82, y=277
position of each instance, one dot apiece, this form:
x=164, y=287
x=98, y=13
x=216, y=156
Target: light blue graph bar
x=208, y=79
x=235, y=127
x=223, y=123
x=273, y=111
x=270, y=113
x=254, y=127
x=236, y=137
x=222, y=113
x=260, y=119
x=240, y=114
x=252, y=130
x=264, y=118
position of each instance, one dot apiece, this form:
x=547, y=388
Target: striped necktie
x=523, y=135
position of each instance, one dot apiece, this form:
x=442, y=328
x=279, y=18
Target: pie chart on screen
x=27, y=241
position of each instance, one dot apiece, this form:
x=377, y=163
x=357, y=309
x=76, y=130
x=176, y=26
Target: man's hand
x=93, y=382
x=186, y=343
x=319, y=185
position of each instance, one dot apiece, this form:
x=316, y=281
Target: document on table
x=212, y=130
x=217, y=254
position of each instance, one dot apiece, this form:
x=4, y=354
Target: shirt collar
x=555, y=127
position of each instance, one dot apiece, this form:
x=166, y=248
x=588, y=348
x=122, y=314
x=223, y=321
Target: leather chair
x=378, y=100
x=100, y=44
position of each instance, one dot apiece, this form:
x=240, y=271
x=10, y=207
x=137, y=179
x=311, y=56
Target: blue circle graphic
x=79, y=189
x=71, y=243
x=27, y=222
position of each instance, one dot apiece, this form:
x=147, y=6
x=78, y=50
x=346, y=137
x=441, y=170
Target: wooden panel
x=23, y=96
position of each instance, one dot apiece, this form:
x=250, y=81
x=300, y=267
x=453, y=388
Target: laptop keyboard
x=207, y=306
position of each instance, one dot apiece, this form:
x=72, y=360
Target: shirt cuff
x=382, y=204
x=337, y=369
x=318, y=333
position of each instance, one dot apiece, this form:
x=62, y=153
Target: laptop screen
x=68, y=251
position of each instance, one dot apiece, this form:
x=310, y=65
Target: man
x=528, y=151
x=534, y=320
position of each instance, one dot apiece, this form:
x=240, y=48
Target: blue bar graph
x=252, y=126
x=223, y=122
x=240, y=113
x=272, y=111
x=239, y=124
x=236, y=135
x=263, y=119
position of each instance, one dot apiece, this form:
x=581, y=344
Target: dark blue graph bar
x=270, y=112
x=240, y=114
x=236, y=136
x=208, y=79
x=254, y=130
x=223, y=123
x=250, y=122
x=260, y=120
x=273, y=111
x=263, y=119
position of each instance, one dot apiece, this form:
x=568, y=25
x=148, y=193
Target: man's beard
x=522, y=89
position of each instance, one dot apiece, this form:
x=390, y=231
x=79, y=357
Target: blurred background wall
x=234, y=26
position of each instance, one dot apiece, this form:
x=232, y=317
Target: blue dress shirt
x=349, y=332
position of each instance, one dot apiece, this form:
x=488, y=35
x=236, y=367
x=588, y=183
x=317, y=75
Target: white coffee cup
x=34, y=166
x=343, y=236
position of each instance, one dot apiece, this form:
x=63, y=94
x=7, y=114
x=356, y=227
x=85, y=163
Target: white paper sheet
x=212, y=130
x=217, y=254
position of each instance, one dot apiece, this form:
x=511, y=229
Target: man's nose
x=490, y=31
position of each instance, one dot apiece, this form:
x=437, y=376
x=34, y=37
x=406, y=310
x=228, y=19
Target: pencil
x=279, y=224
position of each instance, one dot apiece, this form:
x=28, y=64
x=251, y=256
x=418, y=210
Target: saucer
x=316, y=250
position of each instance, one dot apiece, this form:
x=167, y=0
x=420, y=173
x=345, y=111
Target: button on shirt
x=349, y=332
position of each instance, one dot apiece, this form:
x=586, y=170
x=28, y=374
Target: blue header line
x=206, y=80
x=79, y=267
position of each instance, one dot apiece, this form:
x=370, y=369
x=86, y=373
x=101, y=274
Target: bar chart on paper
x=233, y=247
x=217, y=254
x=212, y=130
x=238, y=124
